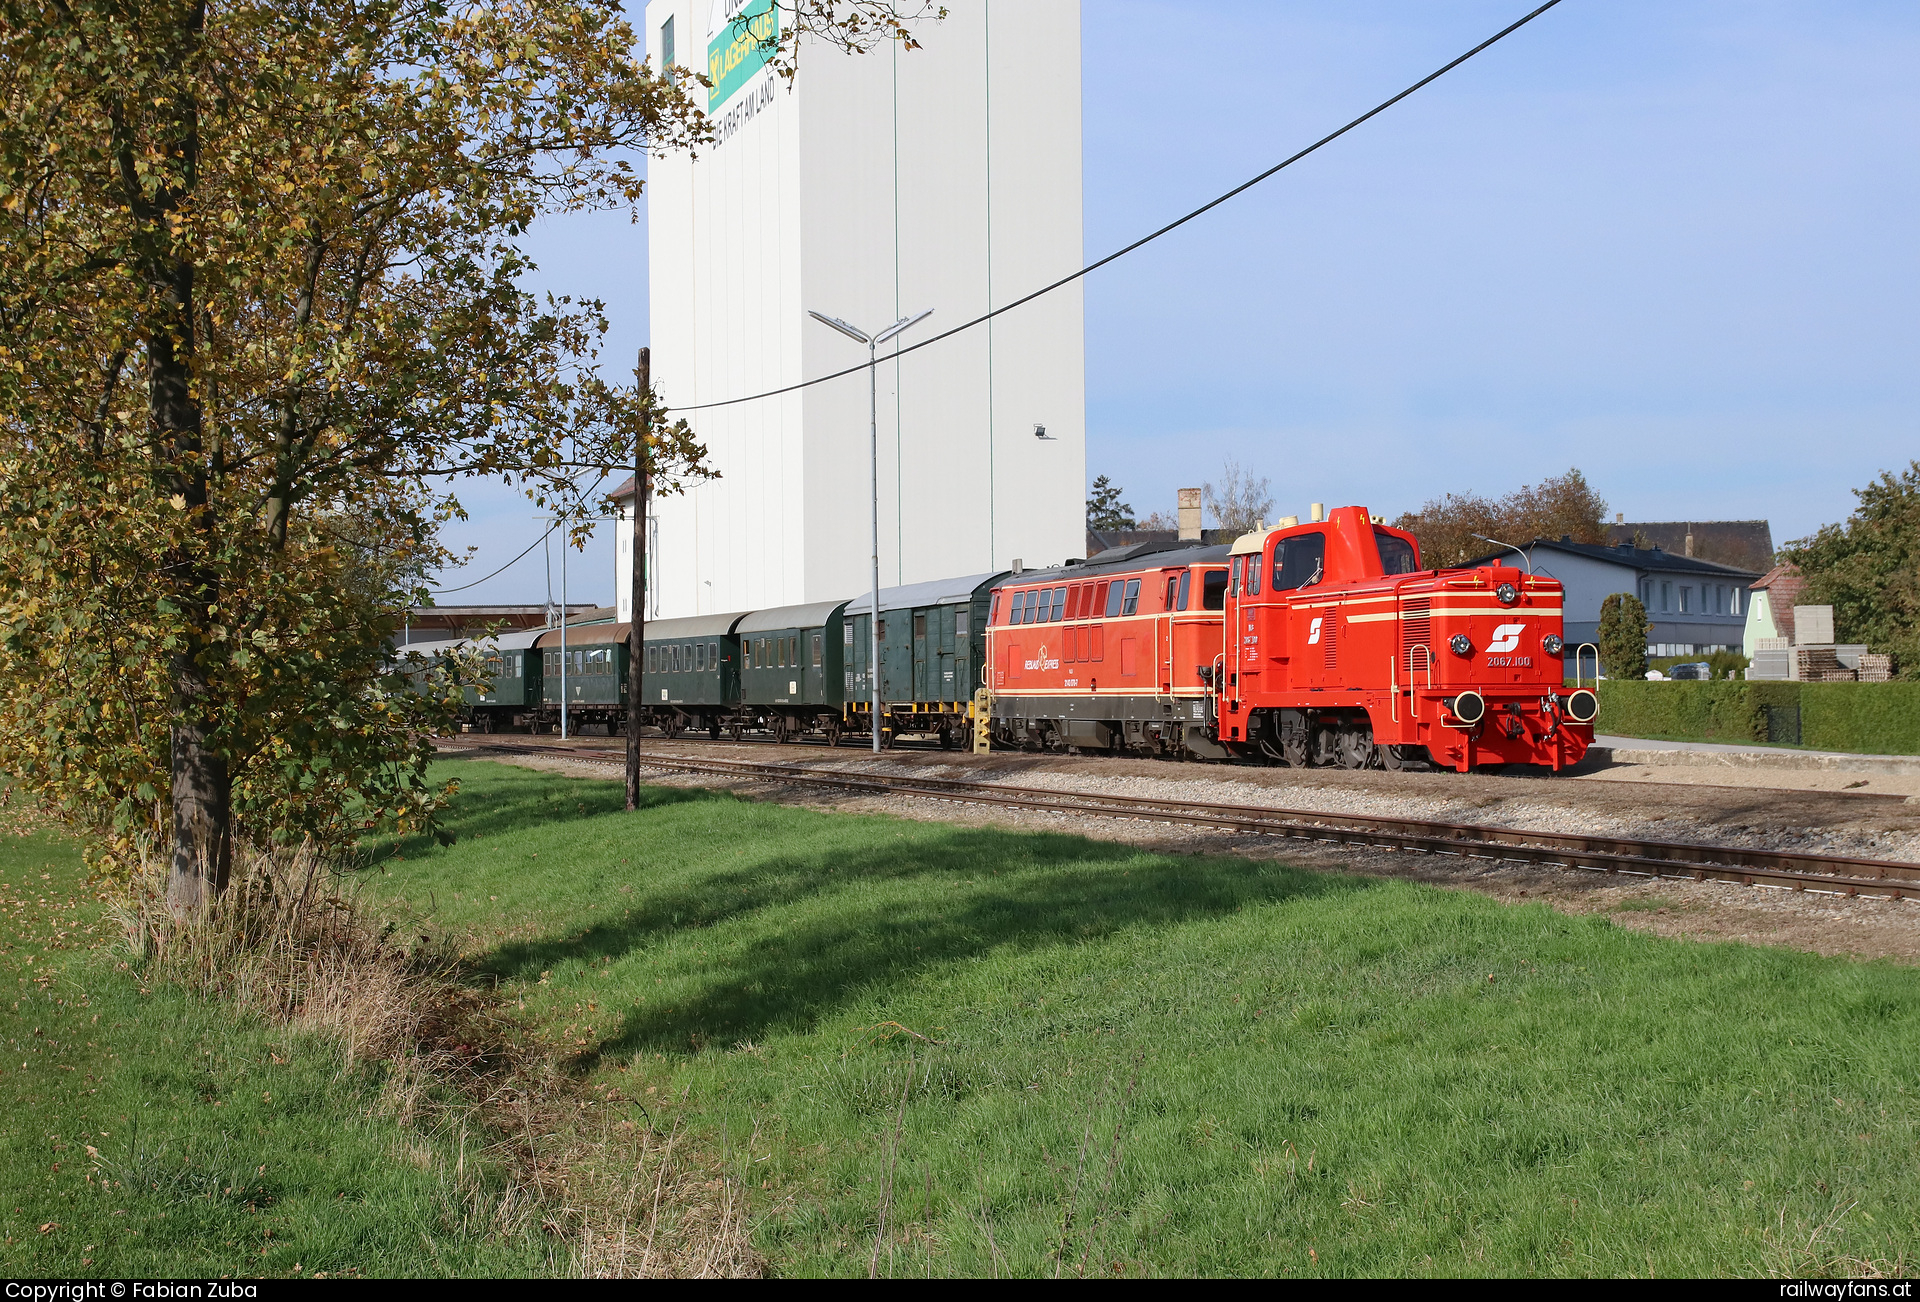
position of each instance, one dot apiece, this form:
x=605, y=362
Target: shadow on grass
x=518, y=800
x=843, y=938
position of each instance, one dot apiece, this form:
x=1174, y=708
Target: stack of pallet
x=1876, y=668
x=1821, y=665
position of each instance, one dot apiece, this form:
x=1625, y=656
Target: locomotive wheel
x=1326, y=748
x=1294, y=752
x=1355, y=746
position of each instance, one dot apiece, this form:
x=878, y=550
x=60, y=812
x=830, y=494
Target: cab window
x=1213, y=590
x=1186, y=589
x=1396, y=553
x=1253, y=573
x=1299, y=562
x=1173, y=588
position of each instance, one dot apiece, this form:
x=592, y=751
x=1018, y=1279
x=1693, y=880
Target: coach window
x=818, y=644
x=962, y=620
x=686, y=658
x=1299, y=562
x=1213, y=590
x=1253, y=573
x=1132, y=603
x=1059, y=603
x=1186, y=589
x=1396, y=553
x=700, y=656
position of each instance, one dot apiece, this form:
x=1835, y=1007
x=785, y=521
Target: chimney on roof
x=1689, y=540
x=1190, y=506
x=1619, y=517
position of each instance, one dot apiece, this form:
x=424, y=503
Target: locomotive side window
x=1235, y=586
x=1253, y=574
x=1396, y=553
x=1017, y=609
x=1299, y=562
x=1132, y=603
x=1213, y=590
x=1115, y=593
x=1059, y=603
x=1173, y=586
x=1186, y=589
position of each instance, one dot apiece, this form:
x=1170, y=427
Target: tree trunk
x=637, y=585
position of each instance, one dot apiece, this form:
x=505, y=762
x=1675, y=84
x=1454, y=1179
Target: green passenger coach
x=933, y=641
x=792, y=674
x=692, y=673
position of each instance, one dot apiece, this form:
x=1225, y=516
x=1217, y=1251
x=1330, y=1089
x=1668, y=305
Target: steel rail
x=1832, y=874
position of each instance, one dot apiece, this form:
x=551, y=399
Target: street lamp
x=873, y=343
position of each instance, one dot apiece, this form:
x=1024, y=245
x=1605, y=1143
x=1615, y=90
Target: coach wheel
x=736, y=730
x=671, y=726
x=946, y=737
x=713, y=729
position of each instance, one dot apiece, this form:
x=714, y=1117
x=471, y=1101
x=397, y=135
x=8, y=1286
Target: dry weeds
x=586, y=1169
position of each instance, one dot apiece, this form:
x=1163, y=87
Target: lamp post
x=873, y=343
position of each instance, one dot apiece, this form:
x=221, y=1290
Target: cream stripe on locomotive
x=1465, y=610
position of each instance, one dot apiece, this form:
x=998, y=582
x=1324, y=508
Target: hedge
x=1869, y=718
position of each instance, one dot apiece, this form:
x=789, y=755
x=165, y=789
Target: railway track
x=1826, y=874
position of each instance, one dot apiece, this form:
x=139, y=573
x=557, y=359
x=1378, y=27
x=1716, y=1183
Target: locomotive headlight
x=1552, y=644
x=1461, y=646
x=1507, y=594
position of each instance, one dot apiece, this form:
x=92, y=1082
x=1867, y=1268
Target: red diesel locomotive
x=1317, y=644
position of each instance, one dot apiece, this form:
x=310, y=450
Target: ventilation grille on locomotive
x=1416, y=635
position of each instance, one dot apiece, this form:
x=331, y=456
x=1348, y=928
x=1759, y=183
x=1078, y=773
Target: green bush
x=1870, y=718
x=1623, y=636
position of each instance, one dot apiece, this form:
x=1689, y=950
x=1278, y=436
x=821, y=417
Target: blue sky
x=1672, y=243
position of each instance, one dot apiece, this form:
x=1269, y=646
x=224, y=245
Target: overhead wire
x=1171, y=226
x=557, y=521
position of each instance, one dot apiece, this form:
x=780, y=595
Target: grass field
x=930, y=1048
x=149, y=1133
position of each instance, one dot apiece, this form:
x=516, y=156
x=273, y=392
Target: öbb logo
x=1506, y=638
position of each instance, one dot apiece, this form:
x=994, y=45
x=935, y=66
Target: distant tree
x=1868, y=569
x=1623, y=636
x=1105, y=510
x=1160, y=520
x=1563, y=506
x=1239, y=502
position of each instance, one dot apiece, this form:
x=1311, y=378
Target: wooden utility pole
x=636, y=634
